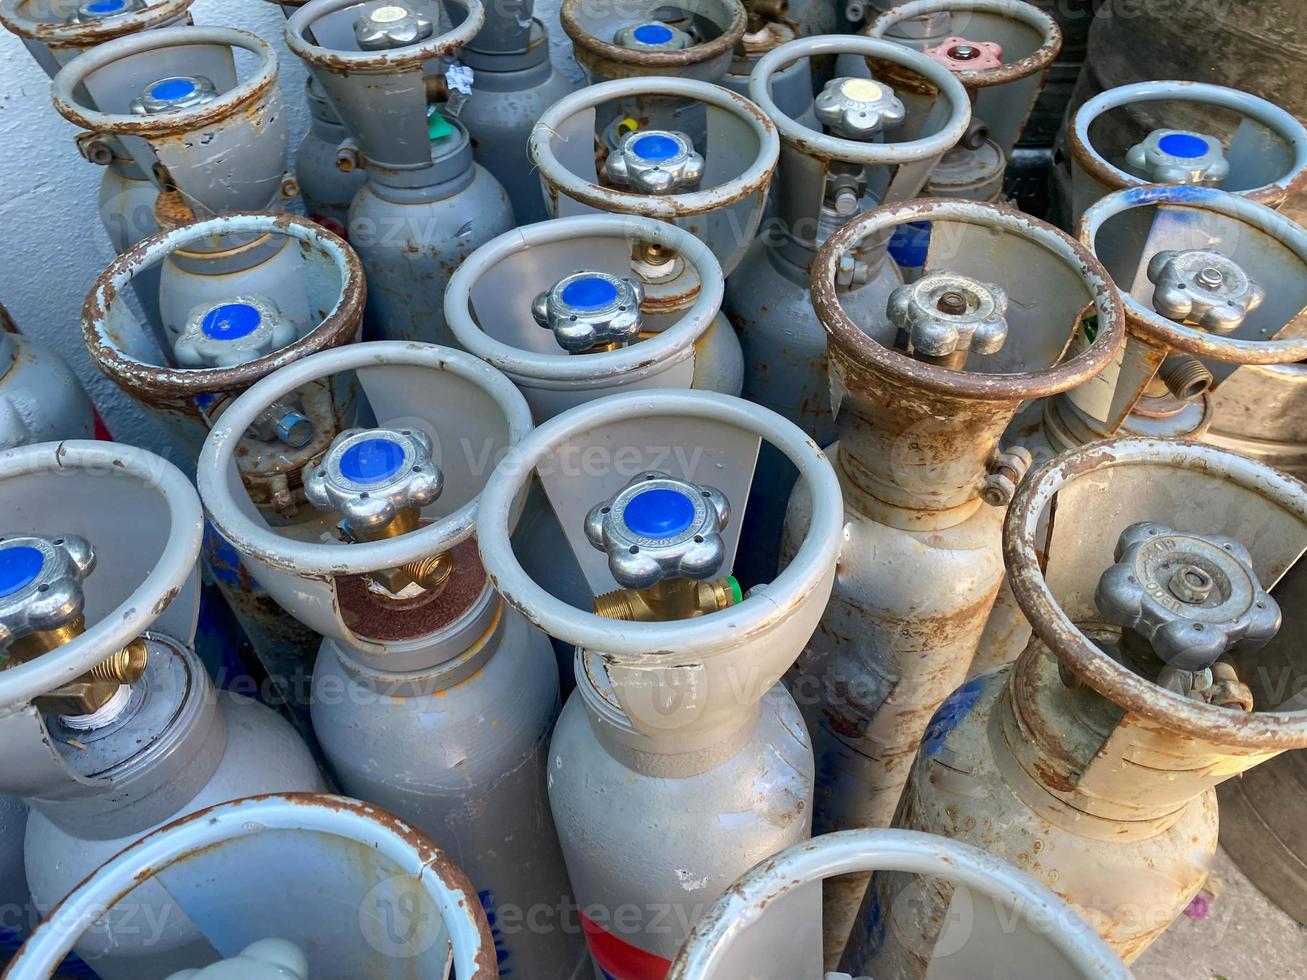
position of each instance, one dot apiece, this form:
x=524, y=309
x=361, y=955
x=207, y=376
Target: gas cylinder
x=513, y=83
x=241, y=331
x=1001, y=51
x=641, y=39
x=1000, y=921
x=679, y=761
x=425, y=205
x=111, y=725
x=431, y=698
x=923, y=392
x=56, y=36
x=1213, y=284
x=572, y=309
x=1091, y=763
x=325, y=188
x=769, y=24
x=213, y=136
x=871, y=151
x=41, y=399
x=1179, y=133
x=286, y=886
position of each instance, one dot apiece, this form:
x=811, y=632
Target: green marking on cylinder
x=438, y=126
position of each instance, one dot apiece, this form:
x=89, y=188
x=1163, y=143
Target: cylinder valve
x=1172, y=156
x=93, y=10
x=378, y=480
x=663, y=540
x=655, y=161
x=391, y=25
x=174, y=93
x=589, y=311
x=858, y=108
x=652, y=35
x=233, y=332
x=946, y=316
x=41, y=608
x=959, y=54
x=1203, y=287
x=1190, y=597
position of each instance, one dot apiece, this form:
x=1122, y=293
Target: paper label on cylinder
x=619, y=960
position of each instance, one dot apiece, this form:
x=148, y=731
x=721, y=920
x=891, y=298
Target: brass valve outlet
x=41, y=605
x=669, y=600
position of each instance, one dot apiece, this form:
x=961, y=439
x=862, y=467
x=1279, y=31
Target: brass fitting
x=669, y=600
x=89, y=692
x=430, y=573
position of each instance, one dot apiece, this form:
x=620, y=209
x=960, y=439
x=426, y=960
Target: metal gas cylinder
x=1179, y=133
x=872, y=152
x=431, y=698
x=1213, y=286
x=325, y=188
x=287, y=887
x=679, y=761
x=513, y=84
x=1091, y=763
x=771, y=23
x=644, y=39
x=425, y=205
x=55, y=34
x=239, y=330
x=714, y=186
x=111, y=726
x=572, y=309
x=210, y=133
x=997, y=918
x=923, y=392
x=1001, y=51
x=41, y=399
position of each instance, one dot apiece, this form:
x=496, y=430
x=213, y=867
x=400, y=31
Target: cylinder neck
x=908, y=448
x=1085, y=764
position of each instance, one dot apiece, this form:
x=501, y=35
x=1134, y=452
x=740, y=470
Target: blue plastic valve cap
x=19, y=567
x=652, y=34
x=371, y=461
x=1183, y=145
x=171, y=89
x=589, y=293
x=655, y=147
x=658, y=513
x=231, y=321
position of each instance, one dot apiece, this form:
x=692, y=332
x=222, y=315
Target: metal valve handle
x=858, y=108
x=174, y=93
x=588, y=309
x=658, y=527
x=93, y=10
x=959, y=54
x=1203, y=287
x=41, y=583
x=391, y=25
x=655, y=161
x=943, y=313
x=1192, y=597
x=371, y=476
x=233, y=332
x=652, y=35
x=1175, y=156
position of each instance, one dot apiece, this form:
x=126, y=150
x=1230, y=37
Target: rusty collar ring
x=816, y=143
x=336, y=818
x=707, y=952
x=667, y=206
x=653, y=61
x=66, y=84
x=1022, y=545
x=964, y=384
x=663, y=644
x=175, y=564
x=299, y=26
x=337, y=327
x=310, y=558
x=1277, y=120
x=91, y=32
x=637, y=360
x=1157, y=329
x=1037, y=61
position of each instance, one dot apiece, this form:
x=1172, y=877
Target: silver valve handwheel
x=591, y=309
x=1173, y=156
x=655, y=161
x=41, y=583
x=174, y=93
x=1203, y=287
x=233, y=332
x=652, y=35
x=391, y=25
x=858, y=108
x=658, y=527
x=371, y=476
x=944, y=314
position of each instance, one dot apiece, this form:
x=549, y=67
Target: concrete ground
x=1244, y=937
